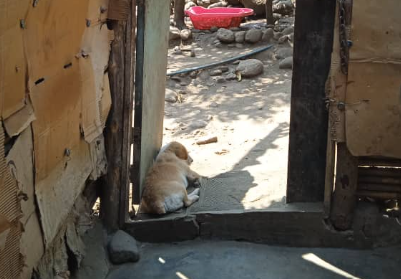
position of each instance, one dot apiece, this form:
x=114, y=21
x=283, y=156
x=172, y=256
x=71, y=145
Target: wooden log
x=117, y=132
x=309, y=117
x=206, y=140
x=269, y=12
x=344, y=197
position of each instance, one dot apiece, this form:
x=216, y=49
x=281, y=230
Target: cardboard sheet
x=20, y=120
x=12, y=58
x=373, y=100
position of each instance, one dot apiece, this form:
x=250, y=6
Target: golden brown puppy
x=167, y=181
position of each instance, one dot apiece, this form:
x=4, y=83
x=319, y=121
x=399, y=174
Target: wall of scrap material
x=54, y=101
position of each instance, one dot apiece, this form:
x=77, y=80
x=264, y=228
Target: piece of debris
x=177, y=51
x=221, y=152
x=123, y=248
x=206, y=140
x=253, y=36
x=225, y=35
x=286, y=63
x=250, y=68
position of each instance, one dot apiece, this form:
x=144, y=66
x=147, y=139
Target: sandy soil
x=250, y=118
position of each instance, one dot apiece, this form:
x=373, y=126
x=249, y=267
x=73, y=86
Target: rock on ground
x=286, y=63
x=174, y=33
x=253, y=35
x=285, y=7
x=240, y=37
x=225, y=35
x=250, y=67
x=123, y=248
x=189, y=5
x=185, y=34
x=283, y=53
x=268, y=35
x=258, y=6
x=171, y=96
x=198, y=124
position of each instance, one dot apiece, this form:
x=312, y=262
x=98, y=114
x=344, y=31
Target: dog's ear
x=179, y=150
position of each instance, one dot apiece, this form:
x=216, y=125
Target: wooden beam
x=114, y=203
x=344, y=197
x=314, y=25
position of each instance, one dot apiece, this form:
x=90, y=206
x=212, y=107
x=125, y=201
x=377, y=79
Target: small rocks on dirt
x=238, y=45
x=250, y=67
x=185, y=34
x=189, y=5
x=220, y=79
x=207, y=140
x=218, y=5
x=286, y=63
x=240, y=37
x=193, y=74
x=170, y=96
x=213, y=105
x=123, y=248
x=253, y=36
x=225, y=35
x=224, y=69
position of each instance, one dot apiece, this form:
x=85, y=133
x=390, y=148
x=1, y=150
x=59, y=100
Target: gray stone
x=198, y=124
x=185, y=34
x=258, y=6
x=277, y=35
x=214, y=29
x=231, y=76
x=171, y=96
x=220, y=79
x=174, y=34
x=288, y=30
x=250, y=67
x=213, y=105
x=282, y=53
x=225, y=35
x=238, y=45
x=286, y=63
x=283, y=39
x=268, y=35
x=123, y=248
x=285, y=7
x=216, y=72
x=193, y=74
x=235, y=29
x=240, y=37
x=253, y=35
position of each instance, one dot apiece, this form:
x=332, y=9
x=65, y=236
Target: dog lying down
x=165, y=186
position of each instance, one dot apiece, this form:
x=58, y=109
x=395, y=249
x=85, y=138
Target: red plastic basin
x=203, y=18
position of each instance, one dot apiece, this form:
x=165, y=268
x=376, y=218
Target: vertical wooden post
x=114, y=196
x=269, y=12
x=314, y=25
x=344, y=197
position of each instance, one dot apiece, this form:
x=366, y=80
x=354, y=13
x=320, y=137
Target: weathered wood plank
x=344, y=197
x=314, y=23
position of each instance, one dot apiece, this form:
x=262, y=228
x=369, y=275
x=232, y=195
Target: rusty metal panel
x=373, y=101
x=150, y=83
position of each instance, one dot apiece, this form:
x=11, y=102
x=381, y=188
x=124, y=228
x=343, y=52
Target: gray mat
x=223, y=192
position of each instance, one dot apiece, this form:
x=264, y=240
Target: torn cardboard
x=20, y=120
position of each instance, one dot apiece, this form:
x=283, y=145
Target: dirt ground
x=250, y=117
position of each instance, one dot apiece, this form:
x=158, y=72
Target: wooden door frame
x=309, y=116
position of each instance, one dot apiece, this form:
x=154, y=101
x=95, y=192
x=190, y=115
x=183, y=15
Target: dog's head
x=180, y=151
